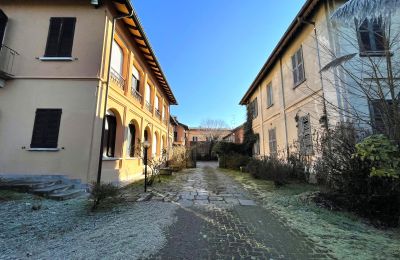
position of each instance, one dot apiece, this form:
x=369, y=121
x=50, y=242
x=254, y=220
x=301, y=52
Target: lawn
x=346, y=235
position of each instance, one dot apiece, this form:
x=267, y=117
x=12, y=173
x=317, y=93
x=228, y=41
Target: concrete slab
x=247, y=202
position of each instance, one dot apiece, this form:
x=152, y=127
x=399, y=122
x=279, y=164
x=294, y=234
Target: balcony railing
x=7, y=62
x=158, y=114
x=117, y=79
x=137, y=95
x=149, y=106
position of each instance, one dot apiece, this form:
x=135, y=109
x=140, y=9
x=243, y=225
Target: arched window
x=147, y=95
x=117, y=58
x=110, y=131
x=154, y=146
x=131, y=139
x=135, y=87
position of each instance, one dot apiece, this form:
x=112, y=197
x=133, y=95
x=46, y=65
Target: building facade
x=77, y=64
x=180, y=132
x=294, y=98
x=235, y=136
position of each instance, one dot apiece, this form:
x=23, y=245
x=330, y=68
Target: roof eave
x=307, y=8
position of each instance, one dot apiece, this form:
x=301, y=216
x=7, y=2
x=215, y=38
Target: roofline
x=136, y=20
x=307, y=8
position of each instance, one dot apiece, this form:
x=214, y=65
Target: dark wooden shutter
x=112, y=131
x=46, y=128
x=3, y=24
x=61, y=36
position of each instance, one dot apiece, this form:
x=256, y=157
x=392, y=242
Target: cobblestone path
x=218, y=219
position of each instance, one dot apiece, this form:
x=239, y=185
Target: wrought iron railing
x=7, y=61
x=117, y=79
x=137, y=95
x=149, y=106
x=158, y=114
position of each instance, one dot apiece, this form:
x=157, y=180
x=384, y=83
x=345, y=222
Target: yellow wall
x=290, y=100
x=122, y=168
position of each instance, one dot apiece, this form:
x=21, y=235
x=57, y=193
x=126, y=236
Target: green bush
x=381, y=154
x=102, y=191
x=360, y=176
x=270, y=168
x=233, y=161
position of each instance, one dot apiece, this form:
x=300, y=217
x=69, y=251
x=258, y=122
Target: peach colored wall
x=71, y=86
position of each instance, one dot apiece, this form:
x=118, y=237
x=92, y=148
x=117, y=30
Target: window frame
x=296, y=64
x=109, y=146
x=4, y=18
x=372, y=35
x=305, y=148
x=270, y=95
x=137, y=79
x=132, y=140
x=48, y=55
x=273, y=145
x=43, y=114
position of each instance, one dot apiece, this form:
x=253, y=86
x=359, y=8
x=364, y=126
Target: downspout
x=106, y=94
x=301, y=20
x=262, y=120
x=284, y=109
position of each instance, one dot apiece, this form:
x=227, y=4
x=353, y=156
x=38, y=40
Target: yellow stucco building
x=57, y=61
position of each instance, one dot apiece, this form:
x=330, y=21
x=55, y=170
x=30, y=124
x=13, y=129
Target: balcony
x=7, y=62
x=149, y=106
x=158, y=114
x=137, y=95
x=117, y=79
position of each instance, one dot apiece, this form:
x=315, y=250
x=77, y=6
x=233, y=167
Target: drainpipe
x=301, y=20
x=284, y=109
x=106, y=95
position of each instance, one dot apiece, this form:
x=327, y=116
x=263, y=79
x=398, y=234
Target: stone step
x=53, y=189
x=67, y=194
x=28, y=185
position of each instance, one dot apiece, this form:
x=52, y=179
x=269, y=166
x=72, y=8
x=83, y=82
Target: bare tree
x=361, y=75
x=214, y=129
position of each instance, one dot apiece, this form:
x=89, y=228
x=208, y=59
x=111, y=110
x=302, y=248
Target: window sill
x=270, y=106
x=56, y=58
x=132, y=158
x=374, y=53
x=111, y=158
x=299, y=83
x=43, y=149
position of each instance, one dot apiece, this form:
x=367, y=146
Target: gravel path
x=67, y=230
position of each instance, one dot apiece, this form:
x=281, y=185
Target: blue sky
x=211, y=50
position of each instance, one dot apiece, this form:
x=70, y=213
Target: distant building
x=235, y=136
x=180, y=132
x=202, y=139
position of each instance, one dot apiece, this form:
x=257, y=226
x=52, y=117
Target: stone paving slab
x=219, y=219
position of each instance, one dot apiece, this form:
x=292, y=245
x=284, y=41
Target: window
x=272, y=142
x=46, y=128
x=253, y=106
x=131, y=139
x=270, y=100
x=304, y=135
x=3, y=24
x=155, y=143
x=110, y=132
x=371, y=37
x=148, y=93
x=381, y=113
x=117, y=58
x=156, y=103
x=135, y=88
x=175, y=136
x=256, y=147
x=298, y=67
x=195, y=138
x=60, y=37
